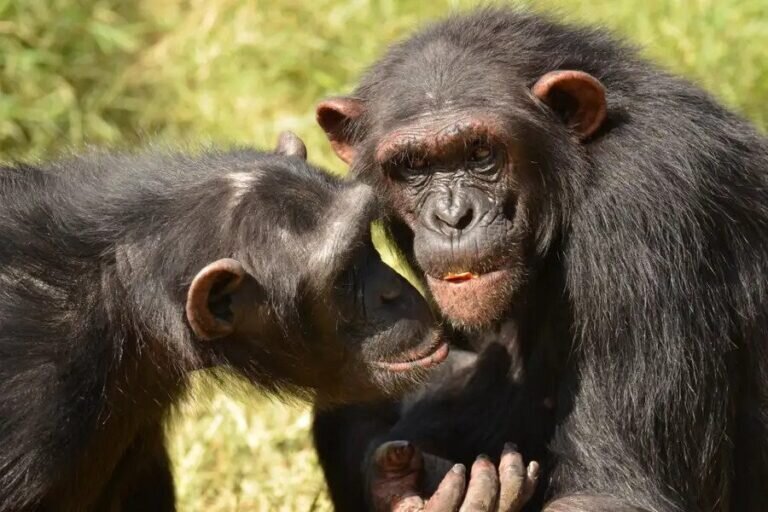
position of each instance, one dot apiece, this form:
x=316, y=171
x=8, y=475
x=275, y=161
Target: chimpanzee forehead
x=436, y=135
x=441, y=77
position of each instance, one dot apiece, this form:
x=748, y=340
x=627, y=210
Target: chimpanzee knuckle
x=516, y=483
x=483, y=488
x=408, y=504
x=449, y=494
x=512, y=463
x=394, y=455
x=395, y=478
x=435, y=471
x=528, y=490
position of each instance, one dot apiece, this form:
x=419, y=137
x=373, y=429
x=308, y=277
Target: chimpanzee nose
x=457, y=218
x=452, y=214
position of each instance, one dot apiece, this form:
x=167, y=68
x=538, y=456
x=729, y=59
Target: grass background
x=116, y=72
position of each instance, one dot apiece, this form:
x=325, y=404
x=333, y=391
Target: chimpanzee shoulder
x=66, y=322
x=634, y=205
x=122, y=273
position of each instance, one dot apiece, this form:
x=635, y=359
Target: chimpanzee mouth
x=459, y=277
x=466, y=279
x=472, y=299
x=433, y=354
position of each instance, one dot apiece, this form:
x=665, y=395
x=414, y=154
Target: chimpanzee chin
x=607, y=223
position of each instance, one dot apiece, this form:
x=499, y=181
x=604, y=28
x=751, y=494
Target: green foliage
x=75, y=72
x=115, y=72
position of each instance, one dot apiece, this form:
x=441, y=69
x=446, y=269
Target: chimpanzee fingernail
x=484, y=457
x=510, y=447
x=459, y=469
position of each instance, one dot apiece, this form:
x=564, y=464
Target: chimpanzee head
x=478, y=151
x=302, y=300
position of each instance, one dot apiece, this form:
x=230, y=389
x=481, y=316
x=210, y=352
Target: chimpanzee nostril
x=466, y=219
x=392, y=290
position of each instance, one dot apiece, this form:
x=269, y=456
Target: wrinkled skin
x=399, y=472
x=545, y=177
x=403, y=476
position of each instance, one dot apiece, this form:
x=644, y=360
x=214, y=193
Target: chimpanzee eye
x=481, y=155
x=409, y=167
x=418, y=163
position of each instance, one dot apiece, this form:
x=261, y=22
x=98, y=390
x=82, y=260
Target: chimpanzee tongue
x=460, y=277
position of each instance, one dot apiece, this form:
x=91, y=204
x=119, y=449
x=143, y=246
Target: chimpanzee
x=607, y=223
x=122, y=273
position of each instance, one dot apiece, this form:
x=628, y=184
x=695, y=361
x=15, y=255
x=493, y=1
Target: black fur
x=96, y=257
x=645, y=311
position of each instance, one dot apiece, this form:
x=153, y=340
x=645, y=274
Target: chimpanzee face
x=307, y=300
x=383, y=314
x=470, y=158
x=458, y=189
x=379, y=323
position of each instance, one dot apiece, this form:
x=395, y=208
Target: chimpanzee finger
x=447, y=497
x=512, y=477
x=517, y=483
x=435, y=470
x=396, y=471
x=483, y=489
x=531, y=479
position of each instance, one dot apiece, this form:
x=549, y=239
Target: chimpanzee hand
x=400, y=469
x=467, y=390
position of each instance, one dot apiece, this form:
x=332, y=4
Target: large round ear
x=289, y=144
x=335, y=116
x=208, y=311
x=577, y=97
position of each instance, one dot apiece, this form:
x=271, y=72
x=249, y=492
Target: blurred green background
x=116, y=72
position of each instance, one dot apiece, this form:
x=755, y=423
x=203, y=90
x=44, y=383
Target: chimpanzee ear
x=576, y=96
x=335, y=116
x=208, y=311
x=289, y=144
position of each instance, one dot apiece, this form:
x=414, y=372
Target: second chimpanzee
x=121, y=273
x=611, y=221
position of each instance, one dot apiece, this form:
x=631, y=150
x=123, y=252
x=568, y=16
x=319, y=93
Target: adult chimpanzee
x=612, y=222
x=120, y=274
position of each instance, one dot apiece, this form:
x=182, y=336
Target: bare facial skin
x=606, y=223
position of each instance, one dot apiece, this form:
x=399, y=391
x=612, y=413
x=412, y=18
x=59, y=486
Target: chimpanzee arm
x=475, y=409
x=142, y=479
x=342, y=437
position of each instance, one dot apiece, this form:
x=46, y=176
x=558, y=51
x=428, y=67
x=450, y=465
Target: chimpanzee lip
x=435, y=353
x=465, y=278
x=474, y=302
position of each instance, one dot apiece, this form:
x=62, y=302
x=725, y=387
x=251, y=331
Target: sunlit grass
x=118, y=72
x=243, y=453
